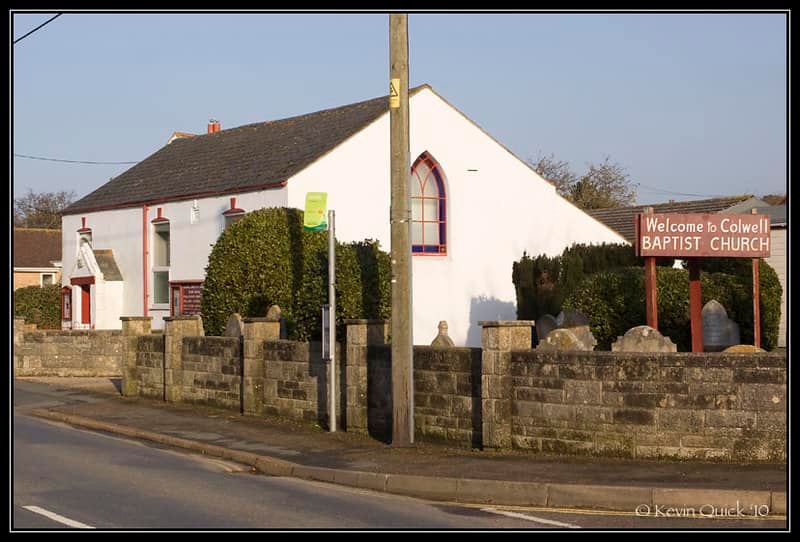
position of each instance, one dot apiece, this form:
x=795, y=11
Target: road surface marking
x=530, y=518
x=56, y=517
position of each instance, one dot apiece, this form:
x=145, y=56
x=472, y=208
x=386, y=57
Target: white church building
x=139, y=245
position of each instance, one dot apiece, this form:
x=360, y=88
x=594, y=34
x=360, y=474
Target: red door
x=86, y=314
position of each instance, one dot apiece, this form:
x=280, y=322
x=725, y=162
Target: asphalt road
x=69, y=478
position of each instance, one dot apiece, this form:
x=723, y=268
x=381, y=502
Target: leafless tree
x=605, y=185
x=41, y=210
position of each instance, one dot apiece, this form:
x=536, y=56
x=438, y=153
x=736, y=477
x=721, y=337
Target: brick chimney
x=213, y=126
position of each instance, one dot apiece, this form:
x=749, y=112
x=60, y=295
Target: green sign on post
x=315, y=215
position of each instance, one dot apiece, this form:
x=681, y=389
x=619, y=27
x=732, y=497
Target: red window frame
x=434, y=175
x=66, y=303
x=179, y=285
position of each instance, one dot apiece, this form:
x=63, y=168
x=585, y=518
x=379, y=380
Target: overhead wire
x=50, y=20
x=71, y=161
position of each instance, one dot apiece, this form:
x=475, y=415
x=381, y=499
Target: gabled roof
x=621, y=219
x=248, y=158
x=35, y=247
x=107, y=264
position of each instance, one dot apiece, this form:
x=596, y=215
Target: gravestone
x=578, y=323
x=584, y=335
x=569, y=318
x=643, y=339
x=743, y=349
x=235, y=326
x=274, y=315
x=442, y=339
x=544, y=325
x=563, y=339
x=719, y=331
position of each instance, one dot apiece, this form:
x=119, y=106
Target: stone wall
x=212, y=371
x=704, y=406
x=713, y=406
x=296, y=381
x=447, y=395
x=446, y=388
x=66, y=353
x=149, y=366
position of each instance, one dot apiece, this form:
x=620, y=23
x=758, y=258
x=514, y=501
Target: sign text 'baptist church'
x=703, y=235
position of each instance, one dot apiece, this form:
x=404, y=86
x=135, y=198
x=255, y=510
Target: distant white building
x=476, y=209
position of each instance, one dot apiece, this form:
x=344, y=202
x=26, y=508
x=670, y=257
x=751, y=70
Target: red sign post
x=694, y=236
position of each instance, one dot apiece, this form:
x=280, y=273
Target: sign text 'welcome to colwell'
x=703, y=235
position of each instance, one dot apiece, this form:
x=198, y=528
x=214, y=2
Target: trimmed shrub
x=542, y=283
x=267, y=258
x=40, y=306
x=614, y=302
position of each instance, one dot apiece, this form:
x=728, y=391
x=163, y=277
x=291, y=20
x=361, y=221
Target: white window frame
x=41, y=279
x=160, y=269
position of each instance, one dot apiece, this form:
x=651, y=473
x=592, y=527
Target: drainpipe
x=144, y=257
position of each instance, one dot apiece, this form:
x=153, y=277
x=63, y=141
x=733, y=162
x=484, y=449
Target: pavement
x=282, y=447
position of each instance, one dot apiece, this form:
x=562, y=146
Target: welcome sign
x=703, y=235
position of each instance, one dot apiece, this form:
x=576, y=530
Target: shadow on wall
x=487, y=308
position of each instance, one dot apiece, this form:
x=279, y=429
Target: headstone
x=563, y=339
x=733, y=332
x=544, y=326
x=442, y=339
x=743, y=349
x=573, y=318
x=643, y=339
x=235, y=326
x=719, y=331
x=584, y=335
x=274, y=315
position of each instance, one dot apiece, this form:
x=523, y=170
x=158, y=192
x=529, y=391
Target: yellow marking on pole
x=394, y=93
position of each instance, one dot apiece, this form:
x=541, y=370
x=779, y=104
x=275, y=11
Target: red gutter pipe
x=144, y=257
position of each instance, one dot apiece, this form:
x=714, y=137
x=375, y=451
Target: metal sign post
x=314, y=220
x=332, y=320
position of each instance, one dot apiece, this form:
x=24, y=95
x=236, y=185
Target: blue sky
x=690, y=104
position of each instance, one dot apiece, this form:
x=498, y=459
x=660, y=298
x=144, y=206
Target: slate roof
x=777, y=214
x=35, y=247
x=248, y=158
x=621, y=219
x=107, y=264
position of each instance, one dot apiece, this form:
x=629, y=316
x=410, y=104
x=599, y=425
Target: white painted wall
x=190, y=245
x=108, y=304
x=777, y=260
x=119, y=230
x=494, y=214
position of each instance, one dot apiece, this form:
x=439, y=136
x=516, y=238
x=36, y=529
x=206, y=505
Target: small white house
x=476, y=208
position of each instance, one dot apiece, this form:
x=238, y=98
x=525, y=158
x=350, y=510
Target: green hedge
x=614, y=302
x=267, y=258
x=542, y=283
x=40, y=306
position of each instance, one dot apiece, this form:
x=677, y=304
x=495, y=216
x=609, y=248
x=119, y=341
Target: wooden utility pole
x=400, y=218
